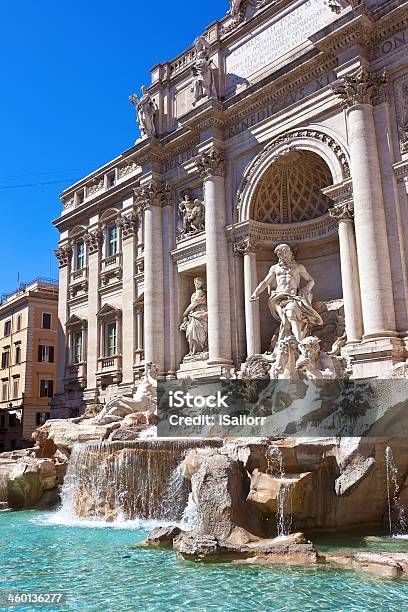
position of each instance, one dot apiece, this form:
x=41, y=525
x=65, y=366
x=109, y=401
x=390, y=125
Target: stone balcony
x=78, y=284
x=111, y=270
x=109, y=370
x=76, y=374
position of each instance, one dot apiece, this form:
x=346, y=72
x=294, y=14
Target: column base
x=374, y=357
x=202, y=369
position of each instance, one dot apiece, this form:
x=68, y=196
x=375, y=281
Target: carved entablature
x=341, y=193
x=153, y=194
x=362, y=88
x=268, y=236
x=93, y=240
x=128, y=225
x=246, y=246
x=63, y=255
x=211, y=163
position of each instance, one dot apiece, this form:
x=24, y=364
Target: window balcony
x=78, y=283
x=109, y=370
x=111, y=269
x=76, y=374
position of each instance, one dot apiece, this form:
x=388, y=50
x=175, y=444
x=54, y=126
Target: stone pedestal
x=212, y=169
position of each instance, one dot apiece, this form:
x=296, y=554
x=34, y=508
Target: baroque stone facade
x=284, y=123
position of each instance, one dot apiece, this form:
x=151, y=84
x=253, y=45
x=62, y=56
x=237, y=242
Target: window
x=46, y=388
x=111, y=340
x=112, y=240
x=41, y=418
x=5, y=359
x=80, y=255
x=78, y=347
x=16, y=387
x=7, y=328
x=18, y=326
x=13, y=420
x=45, y=353
x=4, y=391
x=17, y=353
x=46, y=320
x=111, y=179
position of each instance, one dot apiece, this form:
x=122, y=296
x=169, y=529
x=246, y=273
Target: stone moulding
x=248, y=234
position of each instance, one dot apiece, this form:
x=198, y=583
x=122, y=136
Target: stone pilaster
x=248, y=249
x=63, y=254
x=128, y=227
x=150, y=200
x=93, y=240
x=211, y=166
x=343, y=213
x=359, y=93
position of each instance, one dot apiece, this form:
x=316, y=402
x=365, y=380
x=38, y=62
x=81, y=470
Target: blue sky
x=67, y=69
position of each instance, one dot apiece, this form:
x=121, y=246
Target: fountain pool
x=100, y=567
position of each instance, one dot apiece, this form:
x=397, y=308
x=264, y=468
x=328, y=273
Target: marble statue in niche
x=146, y=110
x=192, y=213
x=288, y=302
x=195, y=323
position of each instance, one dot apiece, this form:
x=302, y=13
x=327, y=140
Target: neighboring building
x=278, y=126
x=28, y=334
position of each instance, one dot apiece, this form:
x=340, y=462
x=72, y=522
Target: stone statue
x=146, y=109
x=192, y=212
x=313, y=364
x=195, y=323
x=236, y=8
x=289, y=303
x=204, y=82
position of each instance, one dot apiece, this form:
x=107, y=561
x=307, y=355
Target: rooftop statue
x=203, y=72
x=146, y=109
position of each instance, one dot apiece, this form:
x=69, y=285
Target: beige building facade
x=28, y=339
x=285, y=122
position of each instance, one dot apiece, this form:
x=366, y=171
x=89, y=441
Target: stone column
x=64, y=254
x=93, y=241
x=128, y=226
x=349, y=272
x=211, y=166
x=252, y=317
x=150, y=199
x=170, y=320
x=359, y=93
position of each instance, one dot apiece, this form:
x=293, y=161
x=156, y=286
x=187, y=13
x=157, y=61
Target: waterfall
x=276, y=468
x=128, y=480
x=397, y=521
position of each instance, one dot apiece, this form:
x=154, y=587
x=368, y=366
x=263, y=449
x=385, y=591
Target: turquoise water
x=102, y=569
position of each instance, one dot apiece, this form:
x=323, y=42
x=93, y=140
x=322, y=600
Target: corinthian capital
x=128, y=225
x=246, y=246
x=362, y=88
x=342, y=212
x=93, y=240
x=63, y=255
x=211, y=163
x=153, y=194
